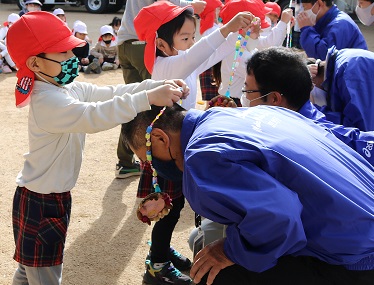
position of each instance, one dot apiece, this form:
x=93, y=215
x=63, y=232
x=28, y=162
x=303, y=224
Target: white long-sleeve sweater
x=58, y=120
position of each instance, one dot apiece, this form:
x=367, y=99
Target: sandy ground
x=106, y=243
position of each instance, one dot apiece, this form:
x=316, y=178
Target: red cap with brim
x=149, y=20
x=256, y=7
x=35, y=33
x=275, y=8
x=207, y=17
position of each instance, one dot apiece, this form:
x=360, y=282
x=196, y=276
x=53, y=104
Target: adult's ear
x=32, y=63
x=276, y=99
x=160, y=139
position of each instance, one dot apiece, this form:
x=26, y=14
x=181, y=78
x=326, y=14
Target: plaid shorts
x=40, y=223
x=208, y=90
x=173, y=189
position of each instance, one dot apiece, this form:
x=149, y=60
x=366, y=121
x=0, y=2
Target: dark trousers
x=291, y=270
x=131, y=59
x=163, y=230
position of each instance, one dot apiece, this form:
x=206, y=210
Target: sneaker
x=124, y=172
x=179, y=261
x=164, y=275
x=96, y=68
x=6, y=69
x=107, y=66
x=87, y=69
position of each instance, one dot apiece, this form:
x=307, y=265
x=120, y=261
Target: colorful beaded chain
x=149, y=150
x=239, y=50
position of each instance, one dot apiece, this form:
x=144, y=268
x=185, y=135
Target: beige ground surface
x=106, y=244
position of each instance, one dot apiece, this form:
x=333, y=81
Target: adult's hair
x=283, y=70
x=169, y=29
x=133, y=132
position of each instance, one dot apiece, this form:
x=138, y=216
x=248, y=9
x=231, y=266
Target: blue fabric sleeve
x=361, y=142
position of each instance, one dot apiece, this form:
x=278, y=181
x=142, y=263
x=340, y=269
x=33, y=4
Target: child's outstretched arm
x=241, y=21
x=169, y=93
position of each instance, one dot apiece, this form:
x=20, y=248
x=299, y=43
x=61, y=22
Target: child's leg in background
x=37, y=275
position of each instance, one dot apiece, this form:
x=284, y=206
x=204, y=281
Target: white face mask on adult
x=246, y=102
x=364, y=15
x=311, y=15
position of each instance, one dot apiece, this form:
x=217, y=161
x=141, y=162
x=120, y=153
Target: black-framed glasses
x=253, y=91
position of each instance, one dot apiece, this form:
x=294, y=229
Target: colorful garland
x=239, y=49
x=149, y=150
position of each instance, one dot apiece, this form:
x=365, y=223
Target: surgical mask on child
x=69, y=70
x=364, y=15
x=169, y=55
x=246, y=102
x=319, y=96
x=311, y=15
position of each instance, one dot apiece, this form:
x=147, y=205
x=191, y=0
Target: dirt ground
x=106, y=243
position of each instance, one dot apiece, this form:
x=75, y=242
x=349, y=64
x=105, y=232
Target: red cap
x=275, y=8
x=149, y=20
x=207, y=17
x=233, y=7
x=35, y=33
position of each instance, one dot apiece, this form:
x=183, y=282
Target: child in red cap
x=169, y=32
x=60, y=113
x=274, y=14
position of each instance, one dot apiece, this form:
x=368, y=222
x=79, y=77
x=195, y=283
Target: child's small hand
x=241, y=21
x=313, y=69
x=221, y=101
x=179, y=83
x=116, y=61
x=198, y=6
x=101, y=60
x=255, y=28
x=287, y=15
x=164, y=95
